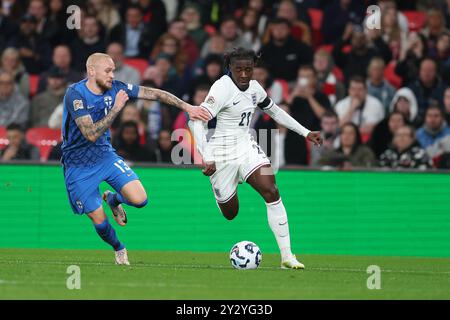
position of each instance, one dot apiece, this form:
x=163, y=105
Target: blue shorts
x=82, y=183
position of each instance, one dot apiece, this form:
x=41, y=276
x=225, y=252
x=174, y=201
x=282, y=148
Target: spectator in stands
x=442, y=56
x=260, y=6
x=405, y=152
x=405, y=102
x=408, y=66
x=14, y=10
x=326, y=79
x=154, y=15
x=359, y=107
x=300, y=31
x=351, y=152
x=445, y=7
x=211, y=72
x=377, y=86
x=88, y=42
x=384, y=131
x=391, y=26
x=14, y=108
x=447, y=105
x=45, y=103
x=329, y=128
x=338, y=16
x=8, y=30
x=55, y=119
x=18, y=148
x=165, y=146
x=307, y=105
x=126, y=142
x=45, y=28
x=229, y=30
x=34, y=50
x=216, y=44
x=136, y=37
x=10, y=62
x=191, y=15
x=62, y=58
x=156, y=116
x=355, y=61
x=428, y=89
x=275, y=88
x=105, y=12
x=434, y=129
x=57, y=16
x=400, y=19
x=283, y=54
x=171, y=46
x=248, y=23
x=435, y=26
x=56, y=152
x=178, y=29
x=123, y=72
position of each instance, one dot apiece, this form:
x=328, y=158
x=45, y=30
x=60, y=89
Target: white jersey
x=234, y=110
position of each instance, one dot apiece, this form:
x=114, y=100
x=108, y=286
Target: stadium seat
x=34, y=83
x=210, y=29
x=44, y=138
x=391, y=76
x=416, y=19
x=3, y=139
x=316, y=16
x=138, y=63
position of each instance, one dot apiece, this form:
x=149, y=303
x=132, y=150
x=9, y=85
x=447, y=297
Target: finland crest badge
x=77, y=105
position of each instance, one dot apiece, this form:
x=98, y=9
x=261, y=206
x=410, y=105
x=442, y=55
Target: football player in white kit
x=231, y=155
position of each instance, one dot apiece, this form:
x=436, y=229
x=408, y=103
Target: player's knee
x=271, y=193
x=141, y=204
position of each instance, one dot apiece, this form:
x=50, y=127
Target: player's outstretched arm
x=92, y=131
x=199, y=131
x=283, y=118
x=195, y=113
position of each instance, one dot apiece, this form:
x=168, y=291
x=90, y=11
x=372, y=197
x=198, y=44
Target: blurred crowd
x=380, y=96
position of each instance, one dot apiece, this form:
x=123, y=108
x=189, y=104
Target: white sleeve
x=283, y=118
x=215, y=99
x=199, y=130
x=261, y=93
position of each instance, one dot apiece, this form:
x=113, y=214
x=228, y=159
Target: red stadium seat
x=316, y=16
x=3, y=139
x=416, y=19
x=210, y=29
x=34, y=83
x=391, y=76
x=44, y=138
x=138, y=63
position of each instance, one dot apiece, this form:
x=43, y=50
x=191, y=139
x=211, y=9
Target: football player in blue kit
x=90, y=107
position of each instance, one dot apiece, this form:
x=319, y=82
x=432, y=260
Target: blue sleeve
x=75, y=104
x=131, y=89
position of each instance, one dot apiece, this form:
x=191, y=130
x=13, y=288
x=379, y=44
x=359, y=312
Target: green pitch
x=42, y=274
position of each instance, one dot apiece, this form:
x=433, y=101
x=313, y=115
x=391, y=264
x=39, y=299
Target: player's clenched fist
x=210, y=168
x=121, y=99
x=315, y=137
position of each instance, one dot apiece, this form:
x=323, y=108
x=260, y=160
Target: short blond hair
x=94, y=58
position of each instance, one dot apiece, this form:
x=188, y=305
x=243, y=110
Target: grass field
x=42, y=274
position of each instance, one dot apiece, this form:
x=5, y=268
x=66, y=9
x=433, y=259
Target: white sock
x=278, y=222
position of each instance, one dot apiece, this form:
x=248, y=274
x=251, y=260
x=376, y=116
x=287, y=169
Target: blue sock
x=114, y=199
x=107, y=233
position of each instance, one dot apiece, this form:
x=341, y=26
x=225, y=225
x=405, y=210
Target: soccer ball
x=245, y=255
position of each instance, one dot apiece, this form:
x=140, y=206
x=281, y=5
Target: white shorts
x=230, y=173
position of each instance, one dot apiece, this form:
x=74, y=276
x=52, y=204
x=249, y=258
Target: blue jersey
x=79, y=101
